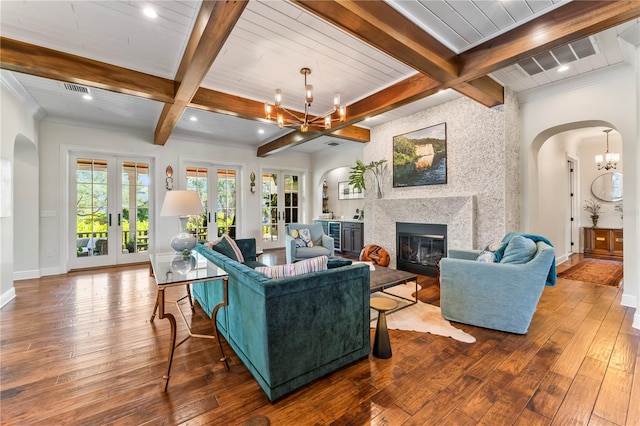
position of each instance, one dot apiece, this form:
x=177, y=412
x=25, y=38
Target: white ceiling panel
x=114, y=32
x=271, y=42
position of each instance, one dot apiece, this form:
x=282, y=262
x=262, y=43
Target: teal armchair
x=322, y=243
x=499, y=296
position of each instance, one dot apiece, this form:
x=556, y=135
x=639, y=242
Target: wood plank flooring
x=79, y=349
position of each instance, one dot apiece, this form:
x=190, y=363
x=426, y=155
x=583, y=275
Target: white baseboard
x=562, y=259
x=7, y=297
x=26, y=275
x=636, y=320
x=51, y=271
x=629, y=301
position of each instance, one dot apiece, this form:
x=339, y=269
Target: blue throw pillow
x=519, y=250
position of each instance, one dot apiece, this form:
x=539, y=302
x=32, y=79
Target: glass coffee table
x=383, y=278
x=175, y=269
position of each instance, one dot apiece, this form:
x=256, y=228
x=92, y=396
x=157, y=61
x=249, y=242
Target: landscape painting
x=420, y=157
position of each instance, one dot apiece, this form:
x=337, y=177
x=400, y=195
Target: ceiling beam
x=383, y=27
x=574, y=20
x=48, y=63
x=409, y=90
x=213, y=25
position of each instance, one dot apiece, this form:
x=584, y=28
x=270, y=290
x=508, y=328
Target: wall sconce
x=169, y=179
x=252, y=185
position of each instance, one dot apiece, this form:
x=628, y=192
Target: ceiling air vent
x=560, y=55
x=333, y=143
x=76, y=88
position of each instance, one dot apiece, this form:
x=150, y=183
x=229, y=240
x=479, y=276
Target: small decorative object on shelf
x=593, y=207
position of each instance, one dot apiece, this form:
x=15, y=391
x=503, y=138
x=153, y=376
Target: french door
x=109, y=218
x=280, y=205
x=217, y=187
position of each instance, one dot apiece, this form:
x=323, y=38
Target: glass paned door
x=198, y=180
x=220, y=218
x=280, y=206
x=134, y=216
x=92, y=220
x=109, y=205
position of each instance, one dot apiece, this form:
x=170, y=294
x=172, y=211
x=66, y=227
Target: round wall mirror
x=608, y=187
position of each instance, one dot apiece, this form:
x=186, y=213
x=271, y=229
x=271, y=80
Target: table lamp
x=182, y=204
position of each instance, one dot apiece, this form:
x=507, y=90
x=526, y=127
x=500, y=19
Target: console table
x=174, y=269
x=603, y=242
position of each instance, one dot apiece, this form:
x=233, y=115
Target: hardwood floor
x=79, y=349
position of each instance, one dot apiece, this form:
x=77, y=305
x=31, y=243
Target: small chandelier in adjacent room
x=609, y=160
x=293, y=119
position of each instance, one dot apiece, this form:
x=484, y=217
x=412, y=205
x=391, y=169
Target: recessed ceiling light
x=261, y=131
x=87, y=97
x=193, y=118
x=563, y=68
x=149, y=12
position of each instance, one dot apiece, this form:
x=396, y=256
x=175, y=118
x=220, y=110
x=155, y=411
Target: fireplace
x=420, y=247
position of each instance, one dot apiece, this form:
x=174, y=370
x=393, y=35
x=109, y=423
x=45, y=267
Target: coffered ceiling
x=204, y=70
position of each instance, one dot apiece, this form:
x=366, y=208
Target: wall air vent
x=76, y=88
x=560, y=55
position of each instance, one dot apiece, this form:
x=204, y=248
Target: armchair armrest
x=464, y=254
x=328, y=242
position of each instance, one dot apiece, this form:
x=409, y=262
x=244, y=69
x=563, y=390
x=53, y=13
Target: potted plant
x=593, y=207
x=356, y=177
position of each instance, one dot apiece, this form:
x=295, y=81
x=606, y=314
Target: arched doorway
x=26, y=209
x=561, y=169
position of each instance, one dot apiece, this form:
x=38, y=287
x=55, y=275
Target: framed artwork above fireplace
x=420, y=157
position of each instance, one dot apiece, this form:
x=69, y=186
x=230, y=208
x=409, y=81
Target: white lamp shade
x=181, y=203
x=599, y=158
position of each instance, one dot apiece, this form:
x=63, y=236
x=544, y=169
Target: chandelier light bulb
x=327, y=122
x=280, y=120
x=308, y=93
x=336, y=101
x=267, y=111
x=343, y=113
x=278, y=97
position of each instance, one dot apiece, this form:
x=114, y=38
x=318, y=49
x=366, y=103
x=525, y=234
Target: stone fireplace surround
x=457, y=212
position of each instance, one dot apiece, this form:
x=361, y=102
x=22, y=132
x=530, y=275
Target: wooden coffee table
x=383, y=278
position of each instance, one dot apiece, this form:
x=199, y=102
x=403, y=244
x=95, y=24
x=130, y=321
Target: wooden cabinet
x=603, y=242
x=352, y=238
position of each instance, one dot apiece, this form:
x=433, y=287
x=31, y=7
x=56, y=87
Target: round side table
x=381, y=344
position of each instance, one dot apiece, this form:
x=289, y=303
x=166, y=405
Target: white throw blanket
x=420, y=317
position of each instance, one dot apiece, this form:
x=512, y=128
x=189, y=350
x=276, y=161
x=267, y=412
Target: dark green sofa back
x=291, y=331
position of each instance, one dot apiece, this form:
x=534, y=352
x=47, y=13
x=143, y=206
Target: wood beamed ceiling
x=375, y=23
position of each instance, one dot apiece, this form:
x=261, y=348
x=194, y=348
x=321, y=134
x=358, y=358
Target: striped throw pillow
x=289, y=270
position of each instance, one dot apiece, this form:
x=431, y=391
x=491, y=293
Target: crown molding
x=11, y=83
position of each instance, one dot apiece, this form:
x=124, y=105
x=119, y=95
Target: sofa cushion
x=519, y=250
x=229, y=248
x=292, y=269
x=308, y=252
x=492, y=252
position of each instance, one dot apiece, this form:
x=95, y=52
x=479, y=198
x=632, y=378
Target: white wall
x=344, y=209
x=605, y=103
x=323, y=162
x=553, y=186
x=58, y=139
x=16, y=122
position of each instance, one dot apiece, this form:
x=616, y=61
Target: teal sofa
x=499, y=296
x=289, y=331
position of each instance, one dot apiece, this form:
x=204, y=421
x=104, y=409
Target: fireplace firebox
x=420, y=247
